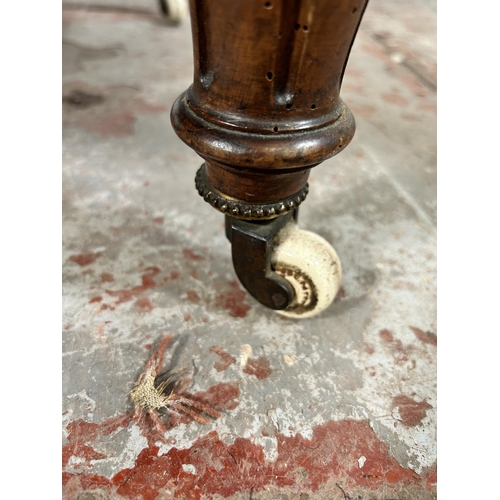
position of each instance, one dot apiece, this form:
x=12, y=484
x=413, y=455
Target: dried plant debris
x=158, y=392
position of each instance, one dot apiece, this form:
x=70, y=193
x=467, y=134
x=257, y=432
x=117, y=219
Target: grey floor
x=144, y=256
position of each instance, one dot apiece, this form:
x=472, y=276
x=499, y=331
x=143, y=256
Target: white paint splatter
x=189, y=468
x=246, y=353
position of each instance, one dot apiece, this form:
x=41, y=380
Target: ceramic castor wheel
x=311, y=265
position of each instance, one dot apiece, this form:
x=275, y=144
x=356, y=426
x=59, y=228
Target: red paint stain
x=194, y=275
x=234, y=301
x=364, y=111
x=221, y=396
x=340, y=295
x=74, y=484
x=412, y=412
x=205, y=320
x=425, y=337
x=331, y=455
x=146, y=183
x=107, y=278
x=193, y=297
x=379, y=53
x=187, y=317
x=144, y=305
x=259, y=367
x=159, y=220
x=394, y=98
x=82, y=451
x=226, y=360
x=84, y=259
x=228, y=469
x=428, y=107
x=148, y=283
x=81, y=433
x=431, y=477
x=399, y=351
x=93, y=300
x=368, y=348
x=82, y=437
x=143, y=107
x=175, y=275
x=189, y=254
x=386, y=335
x=117, y=125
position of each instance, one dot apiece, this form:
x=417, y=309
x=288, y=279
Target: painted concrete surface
x=342, y=405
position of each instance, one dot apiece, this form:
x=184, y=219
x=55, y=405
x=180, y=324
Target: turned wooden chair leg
x=264, y=108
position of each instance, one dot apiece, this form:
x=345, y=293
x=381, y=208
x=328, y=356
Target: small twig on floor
x=346, y=496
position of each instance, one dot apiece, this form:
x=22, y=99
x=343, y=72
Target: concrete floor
x=338, y=406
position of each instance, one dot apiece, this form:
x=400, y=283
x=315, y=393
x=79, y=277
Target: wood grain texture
x=265, y=95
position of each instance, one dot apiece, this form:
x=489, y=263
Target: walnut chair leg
x=263, y=110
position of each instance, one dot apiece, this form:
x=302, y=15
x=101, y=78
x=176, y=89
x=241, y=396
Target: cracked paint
x=234, y=300
x=226, y=360
x=259, y=367
x=215, y=468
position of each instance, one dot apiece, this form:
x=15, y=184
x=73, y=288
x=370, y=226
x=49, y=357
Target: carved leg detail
x=263, y=110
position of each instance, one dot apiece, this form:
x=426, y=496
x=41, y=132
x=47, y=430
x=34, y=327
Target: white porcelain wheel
x=311, y=265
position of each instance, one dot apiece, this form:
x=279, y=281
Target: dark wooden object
x=252, y=245
x=264, y=107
